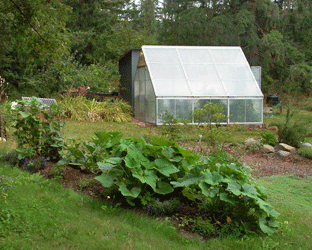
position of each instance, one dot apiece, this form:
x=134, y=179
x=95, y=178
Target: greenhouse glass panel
x=228, y=55
x=202, y=72
x=242, y=88
x=163, y=105
x=253, y=110
x=171, y=88
x=196, y=56
x=184, y=109
x=166, y=71
x=201, y=104
x=235, y=72
x=214, y=88
x=237, y=111
x=162, y=55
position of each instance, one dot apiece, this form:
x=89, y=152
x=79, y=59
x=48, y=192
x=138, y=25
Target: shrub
x=305, y=152
x=170, y=128
x=37, y=129
x=289, y=132
x=33, y=164
x=80, y=108
x=268, y=138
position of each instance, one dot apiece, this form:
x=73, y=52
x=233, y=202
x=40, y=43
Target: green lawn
x=40, y=214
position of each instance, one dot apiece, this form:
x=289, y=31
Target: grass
x=40, y=214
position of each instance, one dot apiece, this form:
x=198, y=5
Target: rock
x=306, y=145
x=267, y=110
x=267, y=149
x=283, y=153
x=252, y=143
x=285, y=147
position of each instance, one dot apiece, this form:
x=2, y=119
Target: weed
x=160, y=208
x=6, y=184
x=85, y=182
x=203, y=227
x=57, y=173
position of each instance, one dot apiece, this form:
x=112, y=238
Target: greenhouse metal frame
x=181, y=79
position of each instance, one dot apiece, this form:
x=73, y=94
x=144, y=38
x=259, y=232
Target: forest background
x=48, y=45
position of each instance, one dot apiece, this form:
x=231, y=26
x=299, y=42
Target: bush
x=305, y=152
x=80, y=108
x=268, y=138
x=37, y=129
x=291, y=133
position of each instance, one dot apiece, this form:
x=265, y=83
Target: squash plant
x=142, y=170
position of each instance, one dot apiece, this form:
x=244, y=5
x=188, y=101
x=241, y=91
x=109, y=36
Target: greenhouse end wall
x=144, y=97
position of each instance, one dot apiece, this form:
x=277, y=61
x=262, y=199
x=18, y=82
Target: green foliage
x=137, y=167
x=80, y=108
x=37, y=129
x=85, y=182
x=305, y=152
x=170, y=128
x=290, y=132
x=142, y=170
x=57, y=173
x=227, y=187
x=210, y=113
x=89, y=154
x=214, y=136
x=268, y=138
x=203, y=227
x=161, y=208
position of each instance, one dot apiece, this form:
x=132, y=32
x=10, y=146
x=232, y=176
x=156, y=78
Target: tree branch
x=19, y=9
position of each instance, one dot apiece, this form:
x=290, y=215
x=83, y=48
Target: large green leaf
x=149, y=177
x=235, y=188
x=164, y=188
x=24, y=114
x=131, y=162
x=105, y=166
x=212, y=178
x=106, y=179
x=208, y=190
x=168, y=152
x=264, y=227
x=114, y=160
x=191, y=178
x=165, y=167
x=134, y=192
x=227, y=198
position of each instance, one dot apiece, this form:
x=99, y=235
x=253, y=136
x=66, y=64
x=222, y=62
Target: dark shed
x=127, y=68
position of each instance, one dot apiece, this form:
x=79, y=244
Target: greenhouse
x=182, y=79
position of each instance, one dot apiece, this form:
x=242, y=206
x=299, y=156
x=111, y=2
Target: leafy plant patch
x=144, y=172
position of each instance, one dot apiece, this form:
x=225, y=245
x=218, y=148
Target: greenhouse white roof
x=189, y=71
